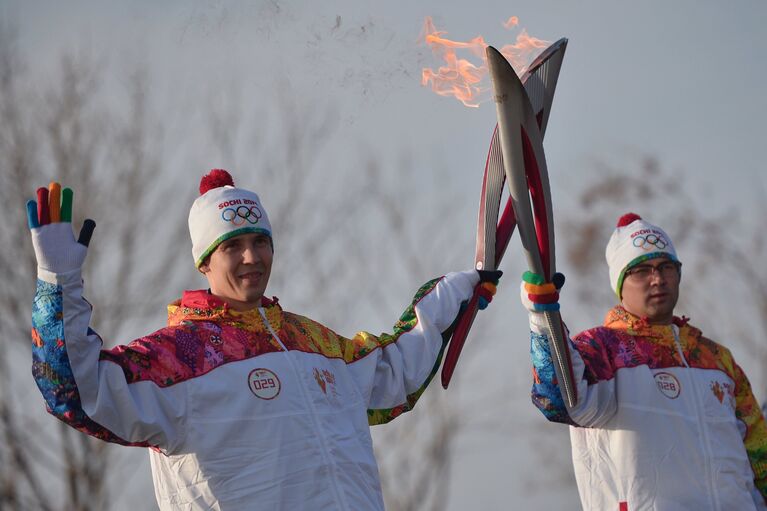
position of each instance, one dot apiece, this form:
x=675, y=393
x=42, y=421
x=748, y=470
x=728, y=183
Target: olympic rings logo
x=650, y=241
x=242, y=214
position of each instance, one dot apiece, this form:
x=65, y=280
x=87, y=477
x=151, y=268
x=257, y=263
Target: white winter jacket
x=665, y=419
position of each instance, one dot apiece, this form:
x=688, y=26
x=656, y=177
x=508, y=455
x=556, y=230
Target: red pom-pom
x=216, y=178
x=627, y=219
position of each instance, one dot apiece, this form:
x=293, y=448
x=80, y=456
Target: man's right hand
x=50, y=221
x=538, y=295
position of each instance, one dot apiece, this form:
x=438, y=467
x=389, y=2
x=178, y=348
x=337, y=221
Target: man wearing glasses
x=664, y=419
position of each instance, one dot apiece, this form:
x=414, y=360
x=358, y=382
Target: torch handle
x=563, y=366
x=458, y=337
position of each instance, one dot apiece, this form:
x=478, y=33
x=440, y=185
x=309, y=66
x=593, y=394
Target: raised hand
x=50, y=222
x=538, y=295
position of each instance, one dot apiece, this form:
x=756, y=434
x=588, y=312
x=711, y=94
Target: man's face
x=651, y=290
x=238, y=270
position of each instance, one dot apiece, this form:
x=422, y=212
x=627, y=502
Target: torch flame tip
x=463, y=79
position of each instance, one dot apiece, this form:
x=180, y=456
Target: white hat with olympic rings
x=634, y=241
x=222, y=212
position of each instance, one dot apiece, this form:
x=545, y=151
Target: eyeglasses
x=665, y=269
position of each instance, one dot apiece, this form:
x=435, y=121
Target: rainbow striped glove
x=50, y=221
x=538, y=295
x=488, y=285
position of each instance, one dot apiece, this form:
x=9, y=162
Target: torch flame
x=467, y=81
x=511, y=22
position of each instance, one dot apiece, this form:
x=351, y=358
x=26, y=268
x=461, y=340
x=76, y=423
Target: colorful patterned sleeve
x=51, y=368
x=593, y=373
x=393, y=370
x=79, y=388
x=545, y=394
x=755, y=439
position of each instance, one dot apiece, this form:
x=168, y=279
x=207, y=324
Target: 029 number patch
x=263, y=383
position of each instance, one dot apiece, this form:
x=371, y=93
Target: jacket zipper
x=313, y=412
x=701, y=421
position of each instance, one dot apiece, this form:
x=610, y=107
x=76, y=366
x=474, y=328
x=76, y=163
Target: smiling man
x=239, y=269
x=244, y=405
x=665, y=419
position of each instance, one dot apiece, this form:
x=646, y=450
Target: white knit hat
x=222, y=212
x=633, y=242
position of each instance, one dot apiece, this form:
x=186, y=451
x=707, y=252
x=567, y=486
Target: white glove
x=50, y=222
x=539, y=296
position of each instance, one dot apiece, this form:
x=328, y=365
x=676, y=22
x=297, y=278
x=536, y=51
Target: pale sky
x=680, y=80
